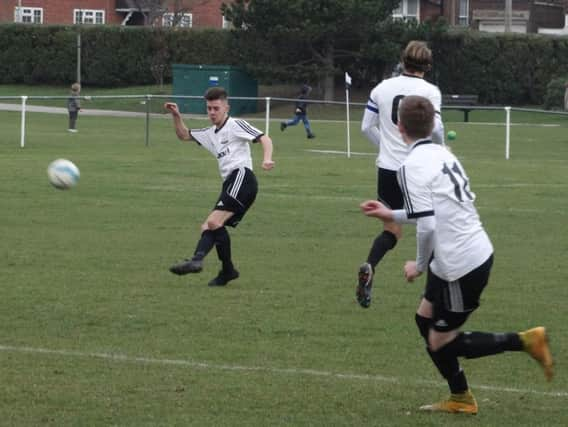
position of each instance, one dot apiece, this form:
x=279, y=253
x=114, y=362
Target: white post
x=348, y=130
x=267, y=124
x=507, y=131
x=19, y=12
x=79, y=57
x=23, y=126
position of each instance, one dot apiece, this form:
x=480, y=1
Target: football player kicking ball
x=455, y=252
x=228, y=140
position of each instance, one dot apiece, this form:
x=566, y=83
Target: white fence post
x=267, y=124
x=507, y=131
x=23, y=126
x=348, y=124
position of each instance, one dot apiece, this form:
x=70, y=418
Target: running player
x=455, y=251
x=380, y=127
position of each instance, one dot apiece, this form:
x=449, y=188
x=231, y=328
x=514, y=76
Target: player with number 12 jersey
x=434, y=183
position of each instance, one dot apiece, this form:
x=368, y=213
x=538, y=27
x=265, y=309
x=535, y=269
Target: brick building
x=488, y=15
x=485, y=15
x=191, y=13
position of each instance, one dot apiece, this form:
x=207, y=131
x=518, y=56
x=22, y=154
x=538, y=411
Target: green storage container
x=194, y=80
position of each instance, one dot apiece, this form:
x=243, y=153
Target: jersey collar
x=221, y=127
x=412, y=75
x=421, y=142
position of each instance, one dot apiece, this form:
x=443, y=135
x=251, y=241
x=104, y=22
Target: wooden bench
x=460, y=102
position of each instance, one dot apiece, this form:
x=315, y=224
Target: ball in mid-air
x=63, y=174
x=452, y=135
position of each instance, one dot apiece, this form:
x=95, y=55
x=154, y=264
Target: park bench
x=464, y=103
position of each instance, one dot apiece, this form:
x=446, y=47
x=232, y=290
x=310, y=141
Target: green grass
x=84, y=277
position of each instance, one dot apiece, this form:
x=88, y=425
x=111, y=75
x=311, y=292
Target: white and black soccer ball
x=63, y=174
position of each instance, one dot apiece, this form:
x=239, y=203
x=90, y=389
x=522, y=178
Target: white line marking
x=341, y=152
x=286, y=371
x=522, y=185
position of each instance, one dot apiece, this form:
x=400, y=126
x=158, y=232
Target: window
x=407, y=9
x=28, y=15
x=184, y=20
x=463, y=18
x=88, y=16
x=225, y=24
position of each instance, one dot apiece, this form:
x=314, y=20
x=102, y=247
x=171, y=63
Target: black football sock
x=382, y=244
x=479, y=344
x=449, y=366
x=223, y=247
x=204, y=245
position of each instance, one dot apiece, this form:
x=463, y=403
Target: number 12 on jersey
x=458, y=178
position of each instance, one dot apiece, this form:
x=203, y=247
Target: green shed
x=194, y=80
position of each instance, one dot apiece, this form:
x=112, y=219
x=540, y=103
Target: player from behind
x=456, y=254
x=228, y=140
x=380, y=127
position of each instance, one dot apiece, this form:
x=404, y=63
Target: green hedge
x=510, y=69
x=513, y=69
x=111, y=56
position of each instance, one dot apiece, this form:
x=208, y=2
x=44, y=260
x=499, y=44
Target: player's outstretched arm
x=267, y=162
x=376, y=209
x=182, y=131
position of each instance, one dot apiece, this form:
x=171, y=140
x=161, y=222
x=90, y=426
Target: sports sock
x=479, y=344
x=204, y=245
x=383, y=243
x=223, y=247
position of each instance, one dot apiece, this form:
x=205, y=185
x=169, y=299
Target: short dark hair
x=214, y=93
x=416, y=115
x=417, y=57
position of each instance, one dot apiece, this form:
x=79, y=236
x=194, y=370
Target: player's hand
x=410, y=271
x=376, y=209
x=267, y=165
x=172, y=108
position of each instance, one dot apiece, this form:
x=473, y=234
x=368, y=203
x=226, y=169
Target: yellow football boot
x=458, y=403
x=535, y=343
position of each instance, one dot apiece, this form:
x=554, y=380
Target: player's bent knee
x=395, y=229
x=437, y=341
x=214, y=223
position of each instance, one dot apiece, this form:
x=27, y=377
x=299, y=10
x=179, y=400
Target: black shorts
x=454, y=301
x=388, y=190
x=237, y=195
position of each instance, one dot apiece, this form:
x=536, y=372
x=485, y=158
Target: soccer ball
x=63, y=174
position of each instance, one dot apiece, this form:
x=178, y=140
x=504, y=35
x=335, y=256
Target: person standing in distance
x=380, y=127
x=300, y=113
x=455, y=252
x=228, y=140
x=73, y=107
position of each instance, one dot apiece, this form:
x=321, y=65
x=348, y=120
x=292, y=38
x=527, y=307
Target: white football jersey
x=434, y=183
x=382, y=112
x=229, y=144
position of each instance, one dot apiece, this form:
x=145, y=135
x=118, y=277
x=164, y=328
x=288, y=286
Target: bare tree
x=153, y=10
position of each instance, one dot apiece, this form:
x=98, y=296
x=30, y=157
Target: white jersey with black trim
x=434, y=183
x=382, y=113
x=229, y=144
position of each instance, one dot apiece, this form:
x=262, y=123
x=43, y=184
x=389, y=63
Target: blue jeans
x=296, y=120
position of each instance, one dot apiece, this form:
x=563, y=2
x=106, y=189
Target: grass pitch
x=96, y=331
